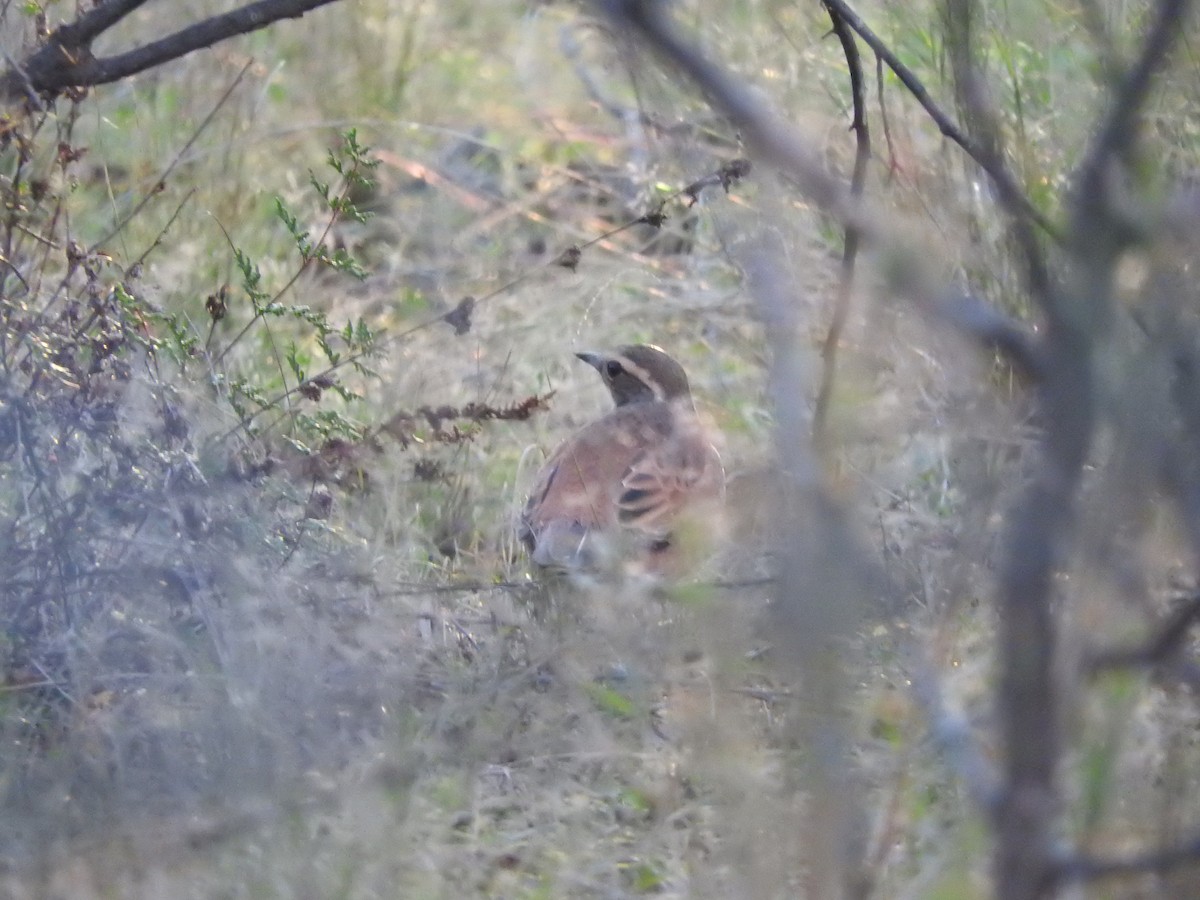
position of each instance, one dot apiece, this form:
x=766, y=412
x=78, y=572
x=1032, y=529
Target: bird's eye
x=613, y=368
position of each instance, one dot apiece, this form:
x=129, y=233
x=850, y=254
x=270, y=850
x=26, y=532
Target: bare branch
x=66, y=60
x=16, y=83
x=951, y=734
x=1116, y=136
x=772, y=138
x=1089, y=868
x=1079, y=315
x=787, y=148
x=983, y=119
x=1162, y=645
x=1006, y=186
x=94, y=23
x=1035, y=539
x=822, y=576
x=862, y=156
x=994, y=331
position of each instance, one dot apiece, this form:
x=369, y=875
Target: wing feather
x=664, y=480
x=634, y=471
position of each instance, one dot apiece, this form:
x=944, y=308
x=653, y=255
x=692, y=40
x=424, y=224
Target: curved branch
x=1158, y=861
x=94, y=23
x=1117, y=134
x=66, y=60
x=1006, y=186
x=862, y=156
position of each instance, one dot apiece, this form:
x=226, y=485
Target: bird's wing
x=665, y=479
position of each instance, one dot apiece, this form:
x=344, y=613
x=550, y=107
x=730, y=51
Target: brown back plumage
x=626, y=478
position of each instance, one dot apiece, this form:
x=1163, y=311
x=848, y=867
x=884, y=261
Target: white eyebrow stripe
x=643, y=376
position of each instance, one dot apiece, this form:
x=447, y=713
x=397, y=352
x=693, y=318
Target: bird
x=625, y=487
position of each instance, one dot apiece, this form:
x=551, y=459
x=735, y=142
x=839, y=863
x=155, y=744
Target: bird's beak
x=595, y=360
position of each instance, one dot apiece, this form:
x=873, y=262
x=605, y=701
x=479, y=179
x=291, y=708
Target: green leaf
x=610, y=701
